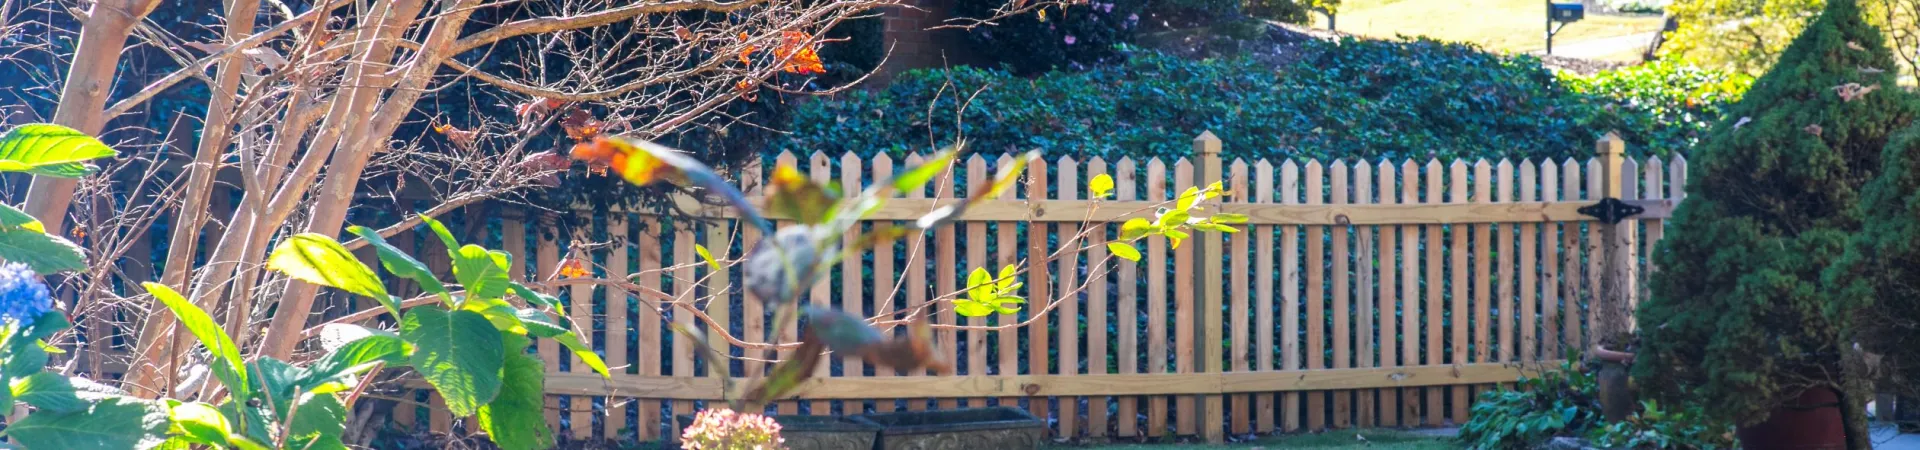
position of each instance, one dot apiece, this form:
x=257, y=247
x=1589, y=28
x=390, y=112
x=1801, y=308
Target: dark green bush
x=1052, y=38
x=1370, y=99
x=1664, y=103
x=1739, y=320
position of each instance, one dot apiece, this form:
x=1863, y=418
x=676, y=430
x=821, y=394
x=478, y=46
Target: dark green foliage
x=1073, y=37
x=1664, y=103
x=1881, y=269
x=1738, y=320
x=1562, y=402
x=1566, y=403
x=1355, y=98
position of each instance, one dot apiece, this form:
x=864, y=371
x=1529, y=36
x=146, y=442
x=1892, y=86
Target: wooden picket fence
x=1361, y=294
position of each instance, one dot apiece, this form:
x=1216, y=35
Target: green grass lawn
x=1332, y=440
x=1509, y=25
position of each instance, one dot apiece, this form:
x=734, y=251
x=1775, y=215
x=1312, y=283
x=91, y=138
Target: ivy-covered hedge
x=1353, y=98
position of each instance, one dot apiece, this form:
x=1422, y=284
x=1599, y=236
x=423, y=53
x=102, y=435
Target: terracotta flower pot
x=1811, y=422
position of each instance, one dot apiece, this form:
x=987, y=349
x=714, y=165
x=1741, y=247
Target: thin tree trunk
x=83, y=98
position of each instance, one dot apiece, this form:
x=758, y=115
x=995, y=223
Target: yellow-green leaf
x=1187, y=199
x=705, y=255
x=1101, y=186
x=915, y=179
x=1229, y=218
x=227, y=365
x=980, y=285
x=1135, y=228
x=1124, y=251
x=50, y=150
x=15, y=218
x=1007, y=281
x=318, y=259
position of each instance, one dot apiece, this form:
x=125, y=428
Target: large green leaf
x=350, y=355
x=536, y=298
x=45, y=253
x=11, y=217
x=440, y=230
x=399, y=263
x=26, y=360
x=497, y=311
x=114, y=423
x=227, y=364
x=459, y=352
x=51, y=150
x=514, y=419
x=482, y=273
x=318, y=259
x=199, y=423
x=48, y=391
x=538, y=324
x=584, y=352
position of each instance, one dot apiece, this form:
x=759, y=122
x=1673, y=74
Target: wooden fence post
x=1208, y=293
x=1614, y=318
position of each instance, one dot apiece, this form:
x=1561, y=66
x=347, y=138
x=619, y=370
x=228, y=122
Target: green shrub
x=1354, y=98
x=1739, y=320
x=1881, y=269
x=1072, y=37
x=1664, y=103
x=1566, y=403
x=1561, y=402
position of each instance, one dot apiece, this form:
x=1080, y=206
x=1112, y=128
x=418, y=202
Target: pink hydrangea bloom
x=724, y=429
x=1070, y=39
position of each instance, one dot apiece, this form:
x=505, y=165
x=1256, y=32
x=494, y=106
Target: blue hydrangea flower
x=23, y=296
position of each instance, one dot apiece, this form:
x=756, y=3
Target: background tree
x=1881, y=270
x=1749, y=35
x=1739, y=320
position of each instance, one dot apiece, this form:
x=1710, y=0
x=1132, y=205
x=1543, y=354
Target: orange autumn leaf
x=800, y=57
x=459, y=137
x=573, y=268
x=580, y=125
x=748, y=51
x=634, y=164
x=78, y=232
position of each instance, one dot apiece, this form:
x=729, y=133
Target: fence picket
x=1097, y=357
x=1185, y=408
x=1388, y=298
x=1316, y=299
x=1126, y=311
x=1290, y=294
x=1067, y=316
x=1237, y=266
x=1156, y=299
x=1458, y=303
x=976, y=258
x=1263, y=295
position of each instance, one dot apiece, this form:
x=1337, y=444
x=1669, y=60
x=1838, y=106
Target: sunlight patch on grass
x=1505, y=25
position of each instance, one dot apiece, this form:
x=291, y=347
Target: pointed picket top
x=1503, y=182
x=1677, y=178
x=1656, y=177
x=1630, y=178
x=1387, y=181
x=1070, y=186
x=1410, y=182
x=1005, y=160
x=1237, y=183
x=1482, y=182
x=976, y=174
x=1362, y=182
x=820, y=168
x=1289, y=182
x=787, y=159
x=1183, y=165
x=850, y=172
x=1549, y=181
x=1316, y=179
x=1155, y=183
x=1262, y=182
x=1457, y=182
x=1529, y=181
x=1124, y=180
x=882, y=170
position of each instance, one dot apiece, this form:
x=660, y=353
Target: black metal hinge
x=1611, y=210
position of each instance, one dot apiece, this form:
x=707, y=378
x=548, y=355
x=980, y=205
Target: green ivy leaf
x=227, y=365
x=113, y=423
x=45, y=253
x=318, y=259
x=481, y=272
x=50, y=150
x=399, y=263
x=1124, y=251
x=459, y=352
x=1101, y=186
x=199, y=423
x=513, y=419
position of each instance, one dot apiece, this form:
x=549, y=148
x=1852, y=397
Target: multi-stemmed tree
x=1739, y=319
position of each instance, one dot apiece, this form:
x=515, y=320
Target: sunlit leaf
x=318, y=259
x=643, y=162
x=227, y=365
x=980, y=285
x=1135, y=228
x=1007, y=177
x=1175, y=236
x=11, y=217
x=50, y=150
x=1007, y=280
x=915, y=179
x=706, y=256
x=1229, y=218
x=1174, y=218
x=113, y=423
x=440, y=230
x=400, y=263
x=458, y=352
x=584, y=352
x=1124, y=250
x=1101, y=186
x=199, y=423
x=513, y=419
x=483, y=273
x=537, y=298
x=1187, y=199
x=44, y=253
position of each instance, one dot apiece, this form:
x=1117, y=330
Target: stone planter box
x=814, y=432
x=963, y=429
